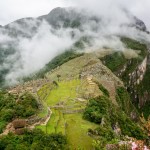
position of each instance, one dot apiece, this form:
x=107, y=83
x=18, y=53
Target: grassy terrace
x=63, y=92
x=76, y=131
x=64, y=119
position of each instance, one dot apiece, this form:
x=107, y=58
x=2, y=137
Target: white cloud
x=15, y=9
x=139, y=8
x=32, y=54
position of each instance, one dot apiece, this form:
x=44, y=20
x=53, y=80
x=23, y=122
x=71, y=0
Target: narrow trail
x=48, y=117
x=42, y=122
x=9, y=128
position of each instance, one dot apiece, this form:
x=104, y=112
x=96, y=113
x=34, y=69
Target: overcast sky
x=15, y=9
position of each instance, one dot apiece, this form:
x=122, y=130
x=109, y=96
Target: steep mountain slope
x=134, y=72
x=27, y=29
x=95, y=99
x=76, y=93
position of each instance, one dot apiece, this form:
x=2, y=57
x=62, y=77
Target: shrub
x=96, y=109
x=2, y=125
x=114, y=61
x=7, y=114
x=104, y=90
x=35, y=139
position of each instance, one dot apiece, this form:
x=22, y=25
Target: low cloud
x=33, y=53
x=38, y=42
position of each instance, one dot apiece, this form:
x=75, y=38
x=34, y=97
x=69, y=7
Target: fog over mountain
x=35, y=8
x=27, y=45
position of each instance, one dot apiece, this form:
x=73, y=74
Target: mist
x=40, y=46
x=32, y=54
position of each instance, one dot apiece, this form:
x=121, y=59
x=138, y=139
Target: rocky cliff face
x=136, y=84
x=135, y=73
x=135, y=78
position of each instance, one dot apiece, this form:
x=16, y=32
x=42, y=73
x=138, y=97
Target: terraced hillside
x=67, y=107
x=68, y=94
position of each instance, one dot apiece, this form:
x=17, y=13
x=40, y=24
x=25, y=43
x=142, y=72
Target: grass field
x=52, y=124
x=71, y=125
x=76, y=132
x=65, y=91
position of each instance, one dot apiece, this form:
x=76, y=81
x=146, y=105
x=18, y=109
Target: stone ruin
x=19, y=125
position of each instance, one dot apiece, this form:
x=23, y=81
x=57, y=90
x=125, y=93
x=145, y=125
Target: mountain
x=84, y=102
x=27, y=29
x=65, y=17
x=82, y=98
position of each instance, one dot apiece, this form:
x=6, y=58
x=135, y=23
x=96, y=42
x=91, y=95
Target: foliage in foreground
x=33, y=140
x=10, y=108
x=101, y=111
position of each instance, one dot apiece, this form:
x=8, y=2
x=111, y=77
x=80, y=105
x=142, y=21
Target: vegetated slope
x=12, y=107
x=134, y=71
x=58, y=18
x=89, y=104
x=89, y=91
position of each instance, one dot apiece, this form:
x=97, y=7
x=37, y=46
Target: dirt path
x=42, y=122
x=9, y=128
x=48, y=117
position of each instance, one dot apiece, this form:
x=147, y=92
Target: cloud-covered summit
x=26, y=45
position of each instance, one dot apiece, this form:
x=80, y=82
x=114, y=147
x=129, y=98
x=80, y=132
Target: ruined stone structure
x=30, y=86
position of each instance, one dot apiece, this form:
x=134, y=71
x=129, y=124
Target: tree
x=58, y=76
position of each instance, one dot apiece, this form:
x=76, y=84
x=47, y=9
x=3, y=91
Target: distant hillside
x=58, y=18
x=88, y=95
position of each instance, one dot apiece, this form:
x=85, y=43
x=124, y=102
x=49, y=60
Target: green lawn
x=65, y=90
x=44, y=111
x=61, y=124
x=71, y=125
x=52, y=124
x=76, y=131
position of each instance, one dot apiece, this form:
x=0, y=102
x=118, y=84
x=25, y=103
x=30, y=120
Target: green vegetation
x=103, y=89
x=65, y=90
x=76, y=131
x=96, y=109
x=124, y=101
x=144, y=86
x=33, y=140
x=135, y=45
x=55, y=62
x=6, y=52
x=72, y=24
x=25, y=106
x=101, y=111
x=56, y=123
x=117, y=60
x=145, y=110
x=114, y=61
x=144, y=89
x=72, y=125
